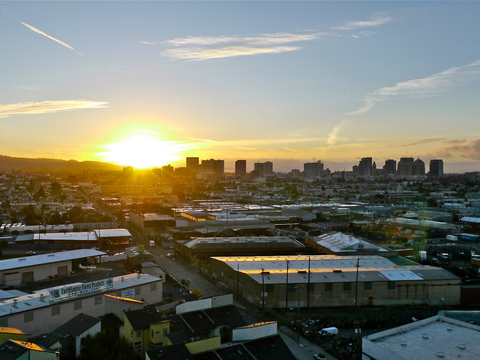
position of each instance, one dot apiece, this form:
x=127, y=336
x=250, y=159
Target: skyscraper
x=259, y=168
x=405, y=167
x=418, y=167
x=192, y=163
x=240, y=167
x=365, y=166
x=268, y=168
x=390, y=166
x=311, y=170
x=436, y=167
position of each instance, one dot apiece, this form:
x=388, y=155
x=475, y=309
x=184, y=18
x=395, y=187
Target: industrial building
x=202, y=248
x=329, y=280
x=42, y=267
x=433, y=338
x=44, y=310
x=337, y=243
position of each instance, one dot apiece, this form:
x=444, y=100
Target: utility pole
x=356, y=283
x=238, y=279
x=263, y=289
x=308, y=284
x=286, y=288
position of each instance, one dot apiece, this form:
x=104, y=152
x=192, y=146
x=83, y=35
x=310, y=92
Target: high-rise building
x=405, y=167
x=212, y=166
x=192, y=163
x=436, y=167
x=390, y=166
x=312, y=170
x=241, y=167
x=259, y=168
x=418, y=167
x=268, y=168
x=365, y=166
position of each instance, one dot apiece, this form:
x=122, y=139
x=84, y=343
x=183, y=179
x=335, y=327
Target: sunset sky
x=149, y=83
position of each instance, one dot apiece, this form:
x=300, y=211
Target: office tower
x=405, y=167
x=259, y=168
x=241, y=167
x=390, y=166
x=436, y=167
x=192, y=163
x=212, y=166
x=268, y=168
x=418, y=167
x=312, y=170
x=365, y=166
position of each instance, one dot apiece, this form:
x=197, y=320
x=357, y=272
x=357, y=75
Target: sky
x=150, y=83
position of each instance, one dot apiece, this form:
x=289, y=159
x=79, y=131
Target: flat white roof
x=44, y=259
x=426, y=339
x=70, y=236
x=40, y=298
x=112, y=233
x=330, y=268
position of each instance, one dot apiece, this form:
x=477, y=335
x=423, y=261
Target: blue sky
x=288, y=82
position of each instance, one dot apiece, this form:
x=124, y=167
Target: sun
x=142, y=151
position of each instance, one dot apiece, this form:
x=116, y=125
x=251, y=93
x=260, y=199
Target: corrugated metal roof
x=22, y=262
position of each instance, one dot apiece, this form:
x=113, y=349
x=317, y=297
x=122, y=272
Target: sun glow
x=142, y=151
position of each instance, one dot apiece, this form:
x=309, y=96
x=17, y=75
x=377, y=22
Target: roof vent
x=302, y=271
x=425, y=336
x=462, y=346
x=440, y=354
x=449, y=328
x=337, y=270
x=403, y=343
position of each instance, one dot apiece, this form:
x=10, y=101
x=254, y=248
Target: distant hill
x=8, y=163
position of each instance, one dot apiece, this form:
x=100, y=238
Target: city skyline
x=150, y=83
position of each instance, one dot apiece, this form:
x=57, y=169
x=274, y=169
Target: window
x=367, y=286
x=347, y=286
x=98, y=300
x=165, y=332
x=391, y=285
x=139, y=333
x=328, y=287
x=310, y=287
x=77, y=305
x=137, y=291
x=138, y=346
x=28, y=317
x=4, y=322
x=269, y=288
x=153, y=287
x=56, y=310
x=131, y=333
x=153, y=334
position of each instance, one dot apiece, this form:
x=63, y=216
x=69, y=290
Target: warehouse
x=42, y=267
x=45, y=310
x=329, y=280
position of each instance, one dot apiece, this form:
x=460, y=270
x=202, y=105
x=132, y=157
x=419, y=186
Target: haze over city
x=149, y=83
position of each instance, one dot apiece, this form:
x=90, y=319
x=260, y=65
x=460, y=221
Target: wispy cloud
x=48, y=107
x=50, y=37
x=198, y=48
x=292, y=150
x=426, y=86
x=145, y=131
x=376, y=20
x=333, y=136
x=202, y=140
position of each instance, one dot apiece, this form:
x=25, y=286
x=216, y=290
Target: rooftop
x=432, y=338
x=22, y=262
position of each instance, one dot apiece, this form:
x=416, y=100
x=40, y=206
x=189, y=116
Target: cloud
x=50, y=37
x=469, y=149
x=203, y=140
x=145, y=131
x=198, y=48
x=376, y=20
x=48, y=107
x=292, y=150
x=333, y=136
x=426, y=86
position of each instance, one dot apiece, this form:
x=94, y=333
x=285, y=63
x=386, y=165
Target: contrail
x=50, y=37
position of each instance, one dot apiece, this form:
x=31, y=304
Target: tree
x=106, y=347
x=198, y=292
x=56, y=188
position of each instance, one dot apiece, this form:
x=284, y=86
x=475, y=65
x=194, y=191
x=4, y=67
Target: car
x=169, y=255
x=30, y=253
x=319, y=356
